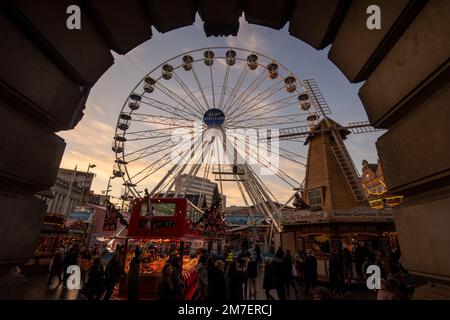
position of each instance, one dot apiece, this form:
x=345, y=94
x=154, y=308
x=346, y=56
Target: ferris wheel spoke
x=177, y=99
x=194, y=170
x=150, y=167
x=265, y=95
x=256, y=107
x=198, y=106
x=288, y=155
x=253, y=173
x=275, y=106
x=236, y=88
x=224, y=86
x=159, y=134
x=154, y=171
x=168, y=108
x=248, y=91
x=201, y=89
x=268, y=166
x=150, y=150
x=174, y=167
x=142, y=117
x=269, y=121
x=212, y=85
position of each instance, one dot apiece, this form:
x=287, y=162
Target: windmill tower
x=331, y=181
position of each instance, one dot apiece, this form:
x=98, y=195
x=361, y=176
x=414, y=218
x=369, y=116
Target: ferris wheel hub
x=214, y=117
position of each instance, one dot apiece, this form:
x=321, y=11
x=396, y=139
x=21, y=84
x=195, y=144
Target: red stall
x=161, y=227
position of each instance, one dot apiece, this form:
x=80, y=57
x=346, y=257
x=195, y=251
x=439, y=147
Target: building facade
x=373, y=182
x=198, y=186
x=71, y=189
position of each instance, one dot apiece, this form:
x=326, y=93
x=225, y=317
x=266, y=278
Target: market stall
x=162, y=227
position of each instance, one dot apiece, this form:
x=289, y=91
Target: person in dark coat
x=335, y=271
x=133, y=276
x=96, y=281
x=279, y=272
x=348, y=264
x=237, y=277
x=289, y=265
x=164, y=288
x=113, y=273
x=360, y=256
x=310, y=268
x=218, y=288
x=56, y=266
x=258, y=255
x=252, y=272
x=267, y=280
x=178, y=284
x=70, y=259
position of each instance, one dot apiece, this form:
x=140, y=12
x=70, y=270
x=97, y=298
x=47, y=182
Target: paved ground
x=36, y=288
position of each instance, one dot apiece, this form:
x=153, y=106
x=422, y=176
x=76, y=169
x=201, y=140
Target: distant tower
x=332, y=181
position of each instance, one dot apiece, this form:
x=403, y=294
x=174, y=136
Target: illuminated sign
x=214, y=117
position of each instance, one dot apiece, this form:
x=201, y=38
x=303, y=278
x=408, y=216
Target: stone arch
x=46, y=73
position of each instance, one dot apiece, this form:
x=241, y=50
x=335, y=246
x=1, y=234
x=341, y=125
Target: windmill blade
x=318, y=101
x=361, y=127
x=303, y=131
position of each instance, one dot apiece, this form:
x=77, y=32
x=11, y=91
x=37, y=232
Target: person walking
x=289, y=266
x=252, y=273
x=348, y=264
x=85, y=264
x=164, y=288
x=56, y=266
x=237, y=278
x=229, y=257
x=202, y=280
x=258, y=255
x=279, y=274
x=335, y=272
x=310, y=272
x=96, y=282
x=245, y=258
x=360, y=257
x=113, y=273
x=178, y=284
x=70, y=259
x=299, y=264
x=217, y=285
x=133, y=276
x=267, y=280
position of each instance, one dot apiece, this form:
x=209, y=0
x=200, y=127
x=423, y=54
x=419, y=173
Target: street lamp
x=109, y=185
x=84, y=181
x=66, y=203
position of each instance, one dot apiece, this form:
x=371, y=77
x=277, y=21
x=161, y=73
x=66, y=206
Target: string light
x=391, y=202
x=374, y=193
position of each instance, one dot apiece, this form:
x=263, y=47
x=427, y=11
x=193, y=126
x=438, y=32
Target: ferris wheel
x=214, y=114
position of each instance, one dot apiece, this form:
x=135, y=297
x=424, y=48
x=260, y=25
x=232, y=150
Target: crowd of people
x=343, y=263
x=233, y=277
x=97, y=281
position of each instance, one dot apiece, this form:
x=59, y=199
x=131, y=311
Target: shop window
x=163, y=209
x=315, y=197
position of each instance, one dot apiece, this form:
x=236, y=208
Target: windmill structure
x=332, y=181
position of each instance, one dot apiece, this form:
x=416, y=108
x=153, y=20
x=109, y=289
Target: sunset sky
x=90, y=141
